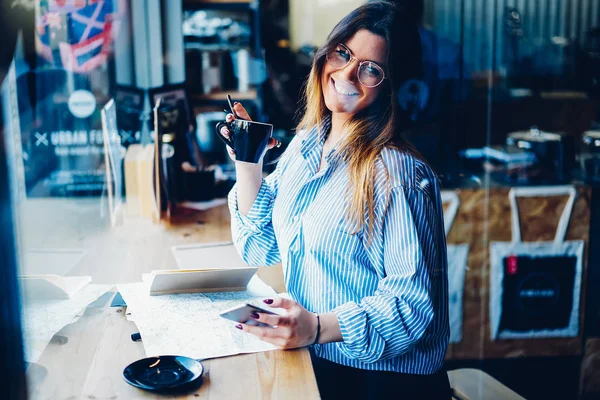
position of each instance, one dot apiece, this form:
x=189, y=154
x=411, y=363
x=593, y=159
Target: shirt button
x=295, y=219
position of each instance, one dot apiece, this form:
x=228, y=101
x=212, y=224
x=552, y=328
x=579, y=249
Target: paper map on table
x=43, y=319
x=189, y=324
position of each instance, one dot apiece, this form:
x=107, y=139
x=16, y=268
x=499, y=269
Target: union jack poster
x=75, y=34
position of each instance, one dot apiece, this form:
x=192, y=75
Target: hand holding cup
x=246, y=140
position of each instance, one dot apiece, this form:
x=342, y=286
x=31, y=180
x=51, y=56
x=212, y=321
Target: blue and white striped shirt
x=391, y=296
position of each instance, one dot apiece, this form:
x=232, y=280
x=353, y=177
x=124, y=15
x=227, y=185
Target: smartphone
x=242, y=313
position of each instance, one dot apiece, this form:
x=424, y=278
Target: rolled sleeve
x=260, y=212
x=392, y=320
x=357, y=343
x=253, y=234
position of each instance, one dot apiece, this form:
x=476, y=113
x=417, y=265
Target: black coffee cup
x=248, y=139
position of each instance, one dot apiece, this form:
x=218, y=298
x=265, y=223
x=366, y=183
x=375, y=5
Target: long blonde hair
x=383, y=123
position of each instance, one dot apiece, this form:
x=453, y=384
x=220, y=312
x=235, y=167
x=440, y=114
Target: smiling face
x=342, y=91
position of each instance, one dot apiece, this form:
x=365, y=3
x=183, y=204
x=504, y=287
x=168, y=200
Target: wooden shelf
x=227, y=5
x=224, y=5
x=190, y=45
x=250, y=95
x=195, y=2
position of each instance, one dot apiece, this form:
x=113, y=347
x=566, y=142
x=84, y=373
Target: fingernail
x=236, y=103
x=239, y=326
x=254, y=315
x=268, y=301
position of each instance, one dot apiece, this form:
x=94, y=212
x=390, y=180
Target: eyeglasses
x=369, y=73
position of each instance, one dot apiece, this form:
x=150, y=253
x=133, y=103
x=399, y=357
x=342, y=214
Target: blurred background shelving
x=223, y=52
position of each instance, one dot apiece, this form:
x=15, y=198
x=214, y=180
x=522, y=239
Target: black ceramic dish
x=165, y=374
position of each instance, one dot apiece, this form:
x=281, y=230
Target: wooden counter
x=86, y=359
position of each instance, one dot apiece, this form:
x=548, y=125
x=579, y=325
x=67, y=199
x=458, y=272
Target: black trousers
x=337, y=381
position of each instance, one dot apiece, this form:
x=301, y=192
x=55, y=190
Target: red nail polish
x=268, y=301
x=239, y=326
x=254, y=315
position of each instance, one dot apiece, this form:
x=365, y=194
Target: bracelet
x=318, y=329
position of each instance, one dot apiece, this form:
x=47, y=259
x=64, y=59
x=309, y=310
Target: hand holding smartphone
x=242, y=313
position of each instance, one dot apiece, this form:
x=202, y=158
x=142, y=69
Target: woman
x=355, y=217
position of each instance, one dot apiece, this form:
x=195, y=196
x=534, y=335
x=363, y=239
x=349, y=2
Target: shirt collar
x=316, y=137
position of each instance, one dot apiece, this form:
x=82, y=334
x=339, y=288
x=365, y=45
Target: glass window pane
x=169, y=161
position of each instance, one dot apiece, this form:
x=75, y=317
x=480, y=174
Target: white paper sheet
x=189, y=324
x=43, y=319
